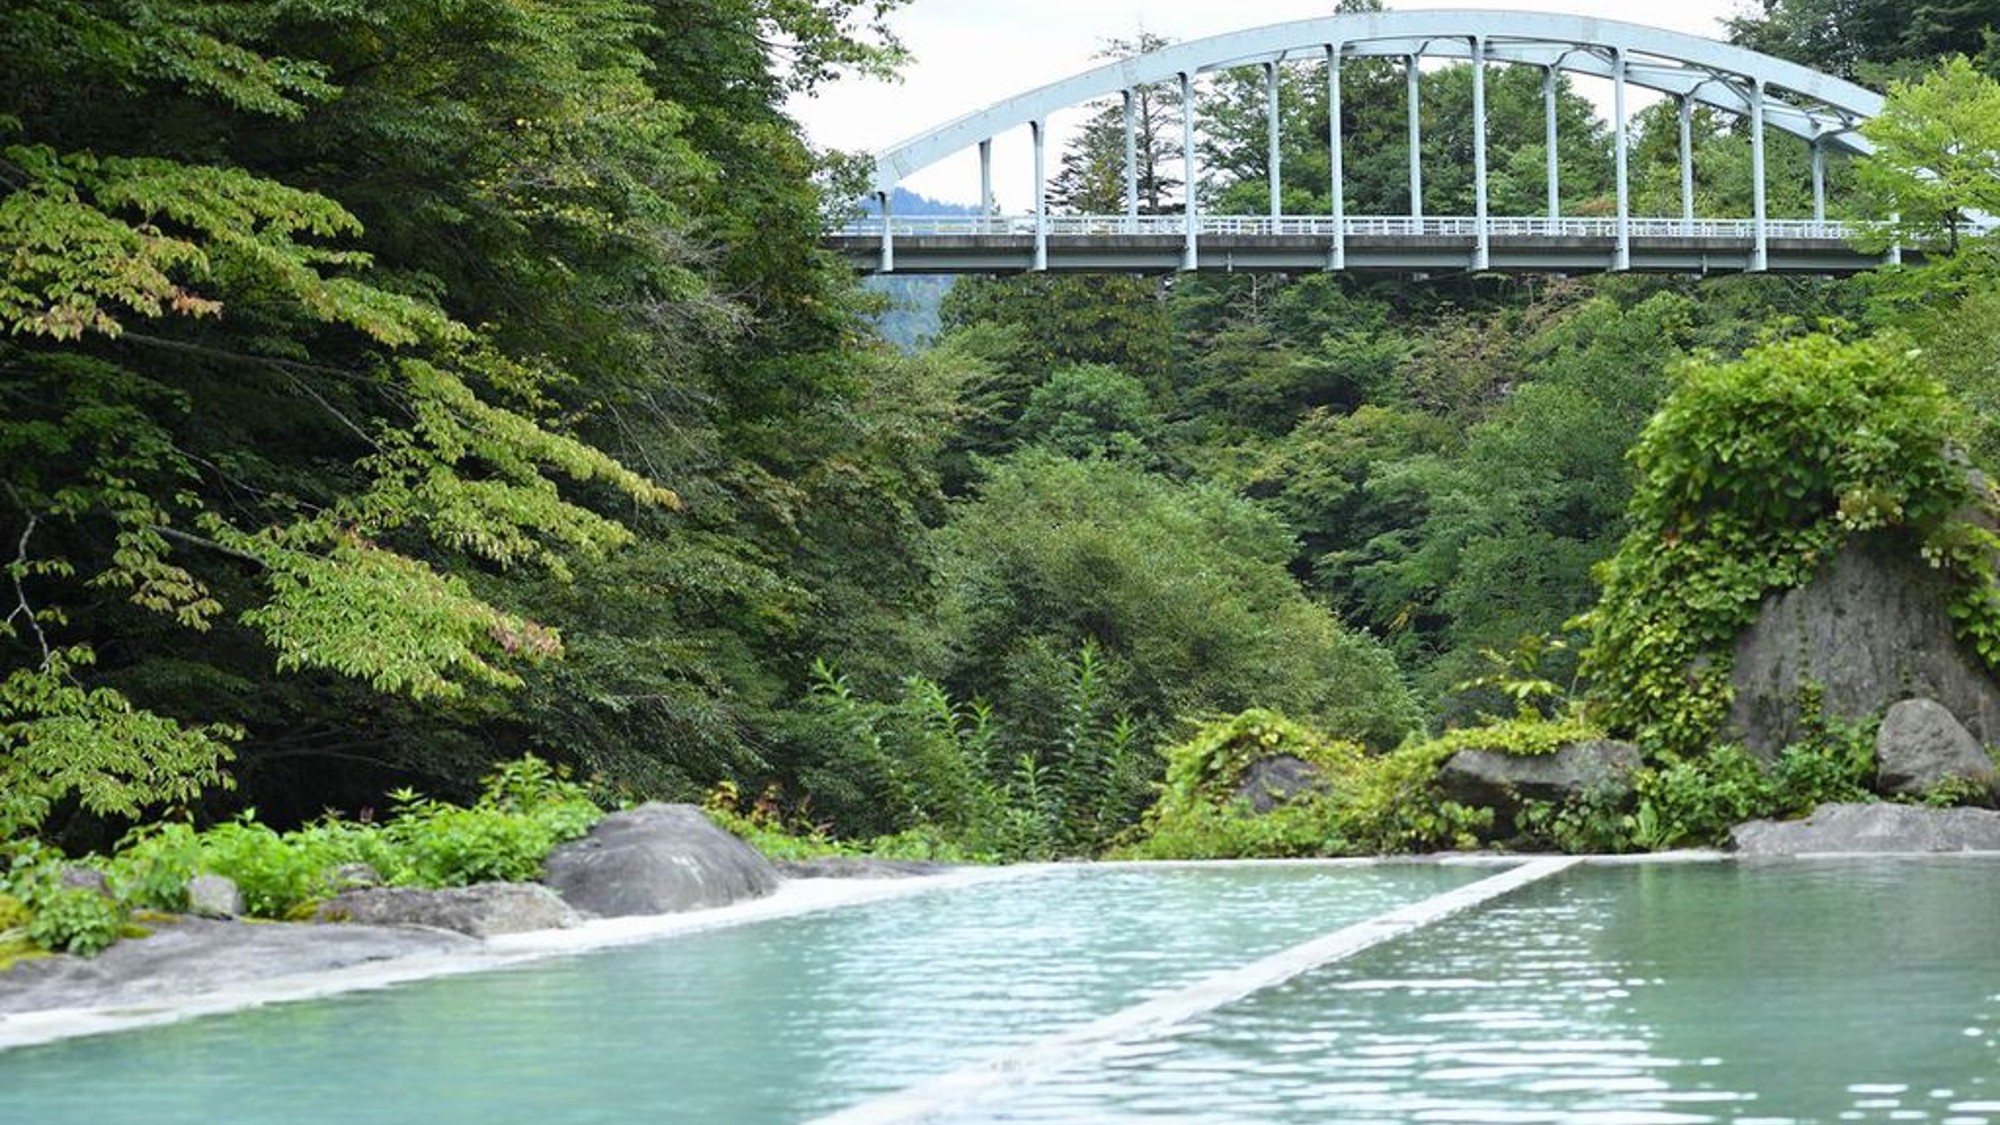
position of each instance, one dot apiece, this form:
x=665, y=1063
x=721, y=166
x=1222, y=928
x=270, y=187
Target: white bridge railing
x=1323, y=226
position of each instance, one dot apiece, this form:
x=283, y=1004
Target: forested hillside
x=392, y=390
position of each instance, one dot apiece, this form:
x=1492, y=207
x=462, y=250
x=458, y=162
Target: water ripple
x=1822, y=992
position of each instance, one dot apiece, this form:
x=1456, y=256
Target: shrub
x=442, y=845
x=526, y=809
x=1524, y=735
x=277, y=873
x=532, y=788
x=75, y=920
x=765, y=828
x=153, y=865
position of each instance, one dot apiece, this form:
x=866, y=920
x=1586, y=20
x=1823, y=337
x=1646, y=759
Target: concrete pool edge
x=793, y=899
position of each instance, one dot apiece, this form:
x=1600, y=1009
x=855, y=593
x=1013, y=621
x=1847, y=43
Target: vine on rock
x=1751, y=477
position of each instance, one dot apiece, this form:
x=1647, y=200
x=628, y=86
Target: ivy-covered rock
x=1503, y=782
x=1756, y=478
x=1870, y=629
x=1239, y=759
x=1276, y=780
x=1349, y=802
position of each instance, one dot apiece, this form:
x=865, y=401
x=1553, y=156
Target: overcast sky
x=971, y=53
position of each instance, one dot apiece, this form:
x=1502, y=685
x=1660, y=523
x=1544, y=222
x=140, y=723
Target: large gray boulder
x=1277, y=780
x=480, y=911
x=656, y=859
x=1497, y=780
x=214, y=896
x=1876, y=828
x=1871, y=629
x=1921, y=746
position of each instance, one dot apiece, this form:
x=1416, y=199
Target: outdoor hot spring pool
x=1834, y=990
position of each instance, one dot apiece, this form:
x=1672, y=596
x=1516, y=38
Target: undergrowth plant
x=525, y=809
x=928, y=764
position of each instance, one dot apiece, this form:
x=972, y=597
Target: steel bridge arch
x=1795, y=99
x=1825, y=111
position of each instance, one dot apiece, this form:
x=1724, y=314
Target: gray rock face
x=195, y=955
x=1501, y=781
x=1871, y=828
x=1921, y=746
x=1270, y=782
x=656, y=859
x=859, y=867
x=1871, y=629
x=73, y=877
x=481, y=911
x=213, y=896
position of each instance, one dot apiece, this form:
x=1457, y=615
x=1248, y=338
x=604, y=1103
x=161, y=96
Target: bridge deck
x=1146, y=244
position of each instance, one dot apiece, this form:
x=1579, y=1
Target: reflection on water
x=765, y=1023
x=1830, y=992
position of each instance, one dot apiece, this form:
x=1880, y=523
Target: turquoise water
x=1834, y=992
x=770, y=1022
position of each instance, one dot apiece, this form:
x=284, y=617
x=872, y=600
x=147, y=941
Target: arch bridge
x=1768, y=93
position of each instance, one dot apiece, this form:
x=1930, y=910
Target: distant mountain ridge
x=911, y=322
x=903, y=201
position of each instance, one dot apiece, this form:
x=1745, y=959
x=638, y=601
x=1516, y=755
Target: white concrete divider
x=927, y=1100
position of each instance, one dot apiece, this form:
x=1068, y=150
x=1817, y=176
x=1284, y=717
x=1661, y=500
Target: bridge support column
x=1760, y=252
x=986, y=205
x=1554, y=175
x=1482, y=246
x=1041, y=131
x=1337, y=258
x=1416, y=131
x=1620, y=144
x=1276, y=162
x=1131, y=158
x=1819, y=180
x=888, y=262
x=1191, y=252
x=1687, y=163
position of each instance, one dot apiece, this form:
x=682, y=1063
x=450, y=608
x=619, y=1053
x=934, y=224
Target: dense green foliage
x=388, y=391
x=330, y=335
x=1184, y=587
